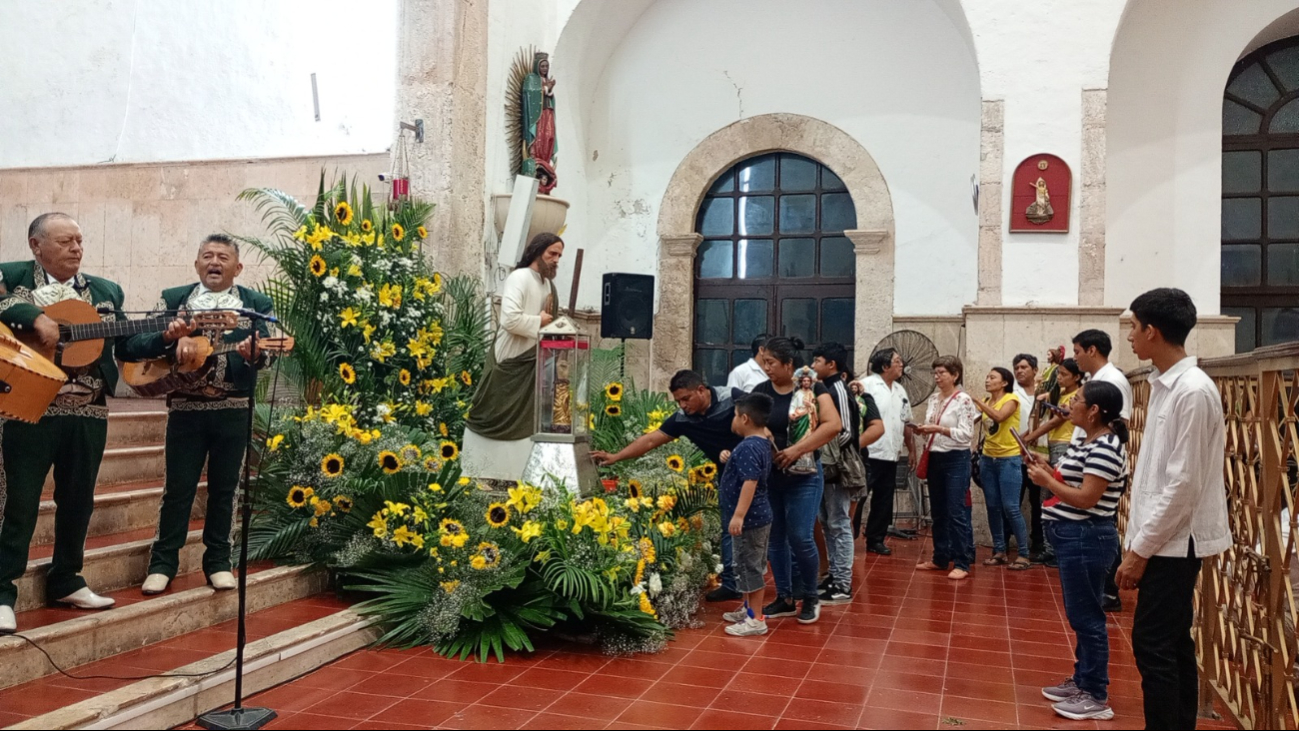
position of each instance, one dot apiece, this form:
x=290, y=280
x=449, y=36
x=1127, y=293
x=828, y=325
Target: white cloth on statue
x=492, y=459
x=523, y=297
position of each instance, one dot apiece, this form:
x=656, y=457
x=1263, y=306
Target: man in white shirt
x=500, y=422
x=749, y=374
x=885, y=455
x=1178, y=513
x=1025, y=365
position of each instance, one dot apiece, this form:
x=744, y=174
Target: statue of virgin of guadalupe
x=538, y=109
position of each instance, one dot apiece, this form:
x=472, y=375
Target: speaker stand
x=622, y=360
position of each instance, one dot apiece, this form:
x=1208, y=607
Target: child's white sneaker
x=738, y=615
x=748, y=628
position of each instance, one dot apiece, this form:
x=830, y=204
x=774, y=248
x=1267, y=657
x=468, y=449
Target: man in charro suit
x=207, y=421
x=70, y=437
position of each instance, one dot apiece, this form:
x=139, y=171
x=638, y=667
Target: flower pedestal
x=561, y=440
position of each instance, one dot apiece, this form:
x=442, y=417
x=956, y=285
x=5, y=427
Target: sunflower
x=453, y=533
x=343, y=214
x=498, y=514
x=404, y=377
x=488, y=556
x=398, y=233
x=299, y=496
x=366, y=226
x=708, y=470
x=449, y=450
x=634, y=488
x=343, y=503
x=675, y=463
x=421, y=232
x=318, y=266
x=613, y=391
x=332, y=465
x=390, y=462
x=613, y=410
x=347, y=373
x=432, y=464
x=410, y=453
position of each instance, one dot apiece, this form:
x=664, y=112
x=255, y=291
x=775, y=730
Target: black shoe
x=880, y=548
x=825, y=583
x=1037, y=557
x=722, y=594
x=1112, y=603
x=1051, y=561
x=811, y=612
x=782, y=607
x=834, y=594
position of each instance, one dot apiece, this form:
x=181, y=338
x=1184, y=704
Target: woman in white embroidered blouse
x=948, y=431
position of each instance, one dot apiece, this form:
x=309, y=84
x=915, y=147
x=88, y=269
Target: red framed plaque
x=1041, y=190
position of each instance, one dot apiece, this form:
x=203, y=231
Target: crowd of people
x=800, y=444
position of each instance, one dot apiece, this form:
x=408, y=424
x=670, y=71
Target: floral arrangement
x=365, y=479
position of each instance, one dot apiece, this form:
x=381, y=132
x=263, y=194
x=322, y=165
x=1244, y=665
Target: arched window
x=1260, y=196
x=774, y=259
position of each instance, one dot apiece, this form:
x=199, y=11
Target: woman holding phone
x=1002, y=468
x=1080, y=523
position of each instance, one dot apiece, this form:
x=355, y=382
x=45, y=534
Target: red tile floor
x=913, y=650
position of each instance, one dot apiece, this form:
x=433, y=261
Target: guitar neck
x=114, y=329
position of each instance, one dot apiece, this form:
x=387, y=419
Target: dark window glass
x=1260, y=196
x=715, y=259
x=774, y=259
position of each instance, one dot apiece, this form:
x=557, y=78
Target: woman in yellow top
x=1002, y=468
x=1060, y=430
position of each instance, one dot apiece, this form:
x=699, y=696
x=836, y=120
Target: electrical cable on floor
x=270, y=419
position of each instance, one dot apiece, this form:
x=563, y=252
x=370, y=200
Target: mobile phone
x=1023, y=448
x=1057, y=410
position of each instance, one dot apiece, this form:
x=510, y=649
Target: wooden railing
x=1246, y=607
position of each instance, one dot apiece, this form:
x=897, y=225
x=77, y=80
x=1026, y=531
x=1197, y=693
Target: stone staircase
x=294, y=624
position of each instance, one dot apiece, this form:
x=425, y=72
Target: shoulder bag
x=922, y=465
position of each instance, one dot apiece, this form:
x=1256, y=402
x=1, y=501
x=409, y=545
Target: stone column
x=1091, y=208
x=874, y=297
x=991, y=151
x=442, y=79
x=673, y=326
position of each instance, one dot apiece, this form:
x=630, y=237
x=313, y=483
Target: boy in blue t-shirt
x=746, y=511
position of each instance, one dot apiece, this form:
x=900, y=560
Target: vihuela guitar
x=151, y=378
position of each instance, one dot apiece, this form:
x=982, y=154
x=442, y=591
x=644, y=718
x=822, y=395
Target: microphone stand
x=240, y=717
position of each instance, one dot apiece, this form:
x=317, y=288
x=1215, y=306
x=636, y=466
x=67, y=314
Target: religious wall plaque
x=1040, y=192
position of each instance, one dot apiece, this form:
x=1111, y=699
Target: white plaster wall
x=92, y=81
x=897, y=75
x=1039, y=57
x=1164, y=142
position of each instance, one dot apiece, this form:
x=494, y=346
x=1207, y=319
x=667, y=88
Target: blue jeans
x=949, y=481
x=795, y=501
x=836, y=523
x=1003, y=478
x=1085, y=549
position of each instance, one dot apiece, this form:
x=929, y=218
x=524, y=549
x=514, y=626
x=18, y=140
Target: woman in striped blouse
x=1080, y=524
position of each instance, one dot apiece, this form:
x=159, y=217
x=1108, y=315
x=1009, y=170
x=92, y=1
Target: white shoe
x=748, y=628
x=8, y=622
x=155, y=584
x=222, y=581
x=739, y=615
x=84, y=598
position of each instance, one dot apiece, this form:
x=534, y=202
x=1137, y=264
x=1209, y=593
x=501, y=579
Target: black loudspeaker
x=627, y=307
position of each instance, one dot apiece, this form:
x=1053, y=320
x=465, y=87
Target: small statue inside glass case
x=561, y=450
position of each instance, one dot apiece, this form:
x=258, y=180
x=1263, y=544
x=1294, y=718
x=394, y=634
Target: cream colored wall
x=142, y=223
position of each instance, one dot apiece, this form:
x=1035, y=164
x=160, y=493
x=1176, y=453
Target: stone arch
x=873, y=239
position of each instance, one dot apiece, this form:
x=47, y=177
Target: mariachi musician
x=207, y=420
x=71, y=435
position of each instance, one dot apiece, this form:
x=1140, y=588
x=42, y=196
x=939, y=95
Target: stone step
x=129, y=428
x=112, y=562
x=171, y=701
x=88, y=637
x=126, y=464
x=119, y=510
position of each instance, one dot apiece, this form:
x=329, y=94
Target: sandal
x=958, y=574
x=1020, y=564
x=998, y=559
x=928, y=566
